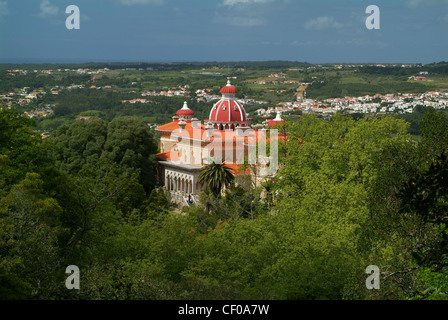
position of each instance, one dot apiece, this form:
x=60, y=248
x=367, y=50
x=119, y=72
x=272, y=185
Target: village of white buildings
x=379, y=103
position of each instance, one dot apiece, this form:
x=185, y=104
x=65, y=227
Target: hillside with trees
x=350, y=193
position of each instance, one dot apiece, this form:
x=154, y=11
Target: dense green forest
x=349, y=194
x=158, y=110
x=33, y=81
x=335, y=89
x=440, y=68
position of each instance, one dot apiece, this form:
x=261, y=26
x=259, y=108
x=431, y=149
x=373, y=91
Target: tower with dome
x=187, y=145
x=228, y=113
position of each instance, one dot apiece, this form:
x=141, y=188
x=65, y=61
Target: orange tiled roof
x=174, y=127
x=170, y=156
x=237, y=168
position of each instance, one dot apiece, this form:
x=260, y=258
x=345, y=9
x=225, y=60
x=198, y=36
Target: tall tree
x=80, y=144
x=127, y=141
x=131, y=144
x=30, y=265
x=434, y=128
x=20, y=149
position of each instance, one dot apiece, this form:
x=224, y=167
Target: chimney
x=240, y=130
x=182, y=125
x=195, y=123
x=209, y=129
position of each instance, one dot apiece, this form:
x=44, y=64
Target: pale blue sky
x=316, y=31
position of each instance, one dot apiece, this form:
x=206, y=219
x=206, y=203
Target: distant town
x=400, y=103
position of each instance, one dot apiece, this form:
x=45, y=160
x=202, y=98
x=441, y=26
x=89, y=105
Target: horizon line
x=29, y=61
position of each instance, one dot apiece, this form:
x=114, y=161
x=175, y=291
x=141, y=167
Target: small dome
x=278, y=120
x=229, y=89
x=185, y=111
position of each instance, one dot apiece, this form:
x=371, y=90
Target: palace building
x=226, y=136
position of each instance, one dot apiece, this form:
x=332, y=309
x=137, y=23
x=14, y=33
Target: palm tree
x=215, y=176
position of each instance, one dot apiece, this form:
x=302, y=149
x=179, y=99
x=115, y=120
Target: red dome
x=228, y=111
x=229, y=89
x=185, y=111
x=278, y=120
x=273, y=123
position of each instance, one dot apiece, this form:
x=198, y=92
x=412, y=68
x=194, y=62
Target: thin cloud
x=240, y=21
x=141, y=2
x=4, y=8
x=321, y=23
x=358, y=42
x=47, y=9
x=246, y=22
x=309, y=43
x=417, y=3
x=231, y=3
x=241, y=13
